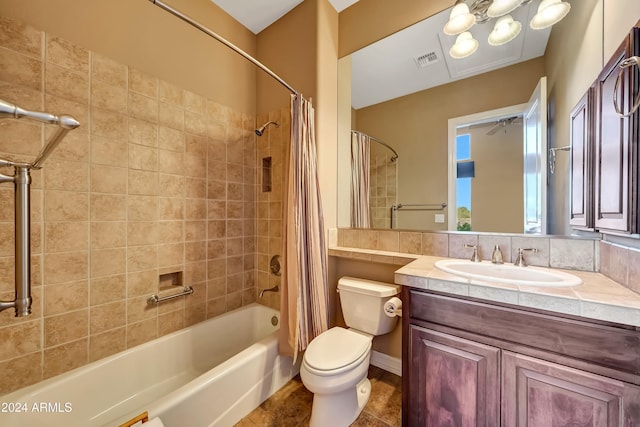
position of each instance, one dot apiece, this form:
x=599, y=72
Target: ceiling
x=390, y=65
x=257, y=15
x=388, y=68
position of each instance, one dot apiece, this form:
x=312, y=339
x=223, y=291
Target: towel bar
x=155, y=299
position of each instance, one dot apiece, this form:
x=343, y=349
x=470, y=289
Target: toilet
x=335, y=364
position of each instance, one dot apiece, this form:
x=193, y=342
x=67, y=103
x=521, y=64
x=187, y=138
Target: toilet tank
x=362, y=303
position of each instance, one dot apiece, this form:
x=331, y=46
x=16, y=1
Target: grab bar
x=415, y=207
x=425, y=206
x=155, y=299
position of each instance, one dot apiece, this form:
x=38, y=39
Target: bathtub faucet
x=276, y=288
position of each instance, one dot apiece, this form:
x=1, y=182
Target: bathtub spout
x=276, y=288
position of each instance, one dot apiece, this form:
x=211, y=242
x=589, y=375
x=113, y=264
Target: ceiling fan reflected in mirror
x=503, y=123
x=497, y=125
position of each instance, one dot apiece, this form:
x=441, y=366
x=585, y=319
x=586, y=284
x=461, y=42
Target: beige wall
x=579, y=47
x=368, y=21
x=288, y=48
x=497, y=189
x=143, y=36
x=301, y=48
x=416, y=126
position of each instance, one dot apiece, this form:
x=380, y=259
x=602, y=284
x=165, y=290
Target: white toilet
x=335, y=364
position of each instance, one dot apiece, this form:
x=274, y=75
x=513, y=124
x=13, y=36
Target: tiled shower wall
x=272, y=144
x=383, y=184
x=156, y=180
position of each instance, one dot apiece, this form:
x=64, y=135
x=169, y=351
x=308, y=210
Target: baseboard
x=386, y=362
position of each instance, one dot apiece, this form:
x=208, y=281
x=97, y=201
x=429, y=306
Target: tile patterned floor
x=291, y=405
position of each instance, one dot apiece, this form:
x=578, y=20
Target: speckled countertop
x=598, y=297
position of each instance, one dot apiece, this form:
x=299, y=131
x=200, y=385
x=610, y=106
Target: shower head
x=261, y=129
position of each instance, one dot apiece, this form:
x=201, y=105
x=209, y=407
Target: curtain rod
x=224, y=41
x=379, y=142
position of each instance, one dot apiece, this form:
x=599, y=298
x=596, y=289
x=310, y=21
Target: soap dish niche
x=169, y=280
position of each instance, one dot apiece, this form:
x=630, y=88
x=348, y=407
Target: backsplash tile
x=572, y=254
x=557, y=252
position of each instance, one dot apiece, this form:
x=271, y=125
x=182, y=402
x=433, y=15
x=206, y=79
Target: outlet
x=439, y=218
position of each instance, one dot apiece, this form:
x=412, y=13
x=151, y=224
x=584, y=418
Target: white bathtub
x=210, y=374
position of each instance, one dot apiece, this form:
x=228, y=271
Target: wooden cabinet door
x=452, y=381
x=581, y=122
x=614, y=164
x=537, y=393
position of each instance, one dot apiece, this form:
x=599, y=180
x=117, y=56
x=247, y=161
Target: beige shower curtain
x=304, y=297
x=360, y=187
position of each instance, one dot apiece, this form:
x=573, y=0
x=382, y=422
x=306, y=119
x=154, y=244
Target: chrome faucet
x=474, y=256
x=520, y=262
x=276, y=288
x=496, y=257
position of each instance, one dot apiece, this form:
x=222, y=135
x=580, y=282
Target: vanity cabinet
x=471, y=363
x=606, y=143
x=457, y=381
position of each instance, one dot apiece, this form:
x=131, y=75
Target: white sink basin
x=508, y=273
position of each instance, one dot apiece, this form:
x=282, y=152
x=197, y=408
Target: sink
x=508, y=273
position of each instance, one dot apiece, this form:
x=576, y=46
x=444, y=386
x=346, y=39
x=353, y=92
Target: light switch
x=439, y=218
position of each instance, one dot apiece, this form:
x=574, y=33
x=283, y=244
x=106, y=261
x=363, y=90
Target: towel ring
x=625, y=64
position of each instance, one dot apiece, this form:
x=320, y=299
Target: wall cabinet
x=606, y=143
x=581, y=128
x=469, y=363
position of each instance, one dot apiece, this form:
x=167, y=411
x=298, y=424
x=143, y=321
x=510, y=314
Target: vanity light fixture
x=464, y=16
x=465, y=46
x=549, y=12
x=505, y=30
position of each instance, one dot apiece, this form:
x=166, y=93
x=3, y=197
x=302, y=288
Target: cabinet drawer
x=614, y=347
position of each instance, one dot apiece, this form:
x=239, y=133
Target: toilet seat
x=335, y=351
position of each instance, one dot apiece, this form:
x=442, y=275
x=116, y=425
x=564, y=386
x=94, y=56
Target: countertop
x=598, y=297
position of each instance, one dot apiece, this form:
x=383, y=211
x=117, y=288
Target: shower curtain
x=360, y=188
x=304, y=297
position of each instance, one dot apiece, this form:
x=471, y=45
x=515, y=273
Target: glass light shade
x=505, y=30
x=465, y=46
x=502, y=7
x=460, y=20
x=549, y=12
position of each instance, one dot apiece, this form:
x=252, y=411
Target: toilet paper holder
x=393, y=307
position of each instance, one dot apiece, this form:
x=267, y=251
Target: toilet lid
x=336, y=348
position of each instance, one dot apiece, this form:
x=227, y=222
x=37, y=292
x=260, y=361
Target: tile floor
x=291, y=405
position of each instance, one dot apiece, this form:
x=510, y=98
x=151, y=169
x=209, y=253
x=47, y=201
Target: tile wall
x=156, y=180
x=273, y=143
x=383, y=189
x=621, y=264
x=556, y=252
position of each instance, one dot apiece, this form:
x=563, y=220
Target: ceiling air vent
x=427, y=59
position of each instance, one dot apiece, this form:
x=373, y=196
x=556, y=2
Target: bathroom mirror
x=414, y=120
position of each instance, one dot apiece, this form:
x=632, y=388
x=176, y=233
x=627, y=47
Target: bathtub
x=210, y=374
